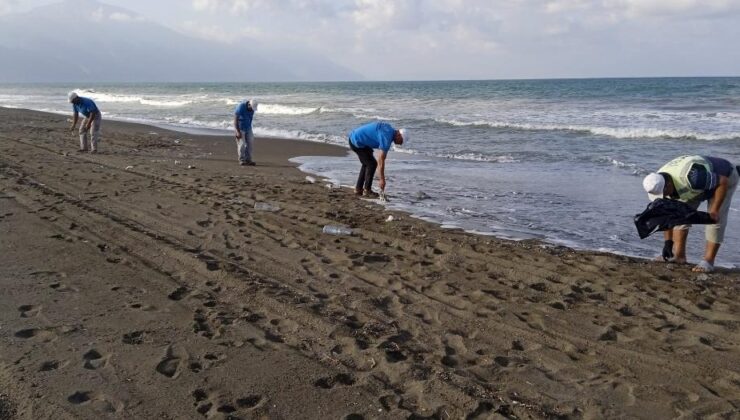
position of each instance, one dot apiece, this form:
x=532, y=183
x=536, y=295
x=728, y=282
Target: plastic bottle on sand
x=337, y=230
x=260, y=206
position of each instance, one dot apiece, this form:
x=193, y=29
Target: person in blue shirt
x=93, y=118
x=243, y=115
x=363, y=140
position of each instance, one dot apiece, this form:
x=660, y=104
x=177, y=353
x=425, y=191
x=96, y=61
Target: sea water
x=556, y=160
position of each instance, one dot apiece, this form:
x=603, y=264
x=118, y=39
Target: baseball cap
x=653, y=185
x=404, y=135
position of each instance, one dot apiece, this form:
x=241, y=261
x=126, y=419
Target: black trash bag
x=664, y=214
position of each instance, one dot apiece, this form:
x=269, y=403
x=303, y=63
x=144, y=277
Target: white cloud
x=8, y=6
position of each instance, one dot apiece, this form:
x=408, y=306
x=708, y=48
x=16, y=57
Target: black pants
x=369, y=165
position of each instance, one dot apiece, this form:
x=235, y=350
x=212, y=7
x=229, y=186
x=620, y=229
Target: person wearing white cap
x=90, y=111
x=243, y=115
x=693, y=179
x=363, y=140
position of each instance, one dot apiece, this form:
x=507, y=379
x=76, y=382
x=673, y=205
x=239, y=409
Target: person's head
x=658, y=185
x=73, y=97
x=400, y=136
x=252, y=105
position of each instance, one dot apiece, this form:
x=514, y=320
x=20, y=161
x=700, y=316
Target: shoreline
x=142, y=282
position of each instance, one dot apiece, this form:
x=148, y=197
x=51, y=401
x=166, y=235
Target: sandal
x=703, y=267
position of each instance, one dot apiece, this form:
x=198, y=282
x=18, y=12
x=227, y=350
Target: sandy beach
x=142, y=283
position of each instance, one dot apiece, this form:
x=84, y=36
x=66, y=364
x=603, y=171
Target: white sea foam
x=150, y=101
x=278, y=109
x=617, y=132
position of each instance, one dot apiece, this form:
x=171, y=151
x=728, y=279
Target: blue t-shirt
x=375, y=135
x=85, y=106
x=245, y=116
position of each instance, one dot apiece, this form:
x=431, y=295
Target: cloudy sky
x=463, y=39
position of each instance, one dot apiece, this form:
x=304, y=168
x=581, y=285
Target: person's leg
x=241, y=148
x=370, y=166
x=249, y=142
x=361, y=176
x=83, y=135
x=715, y=234
x=95, y=137
x=680, y=233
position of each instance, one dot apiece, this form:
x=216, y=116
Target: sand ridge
x=133, y=286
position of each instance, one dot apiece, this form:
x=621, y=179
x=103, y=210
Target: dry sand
x=158, y=291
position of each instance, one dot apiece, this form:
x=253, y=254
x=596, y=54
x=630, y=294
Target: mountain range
x=89, y=41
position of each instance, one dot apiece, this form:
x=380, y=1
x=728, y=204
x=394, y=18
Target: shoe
x=370, y=194
x=93, y=151
x=250, y=163
x=358, y=192
x=242, y=163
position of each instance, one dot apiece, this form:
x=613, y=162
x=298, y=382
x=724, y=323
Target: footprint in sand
x=36, y=333
x=172, y=362
x=331, y=382
x=98, y=402
x=29, y=311
x=95, y=360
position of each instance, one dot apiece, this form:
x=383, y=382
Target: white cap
x=404, y=135
x=253, y=103
x=72, y=96
x=653, y=185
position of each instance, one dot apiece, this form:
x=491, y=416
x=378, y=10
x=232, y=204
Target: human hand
x=714, y=215
x=382, y=184
x=667, y=250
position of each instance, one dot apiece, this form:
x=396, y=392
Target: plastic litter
x=664, y=214
x=337, y=230
x=261, y=206
x=128, y=168
x=383, y=197
x=311, y=179
x=390, y=218
x=191, y=167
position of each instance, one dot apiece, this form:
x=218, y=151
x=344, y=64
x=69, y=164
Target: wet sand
x=141, y=283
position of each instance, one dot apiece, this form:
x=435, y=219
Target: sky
x=470, y=39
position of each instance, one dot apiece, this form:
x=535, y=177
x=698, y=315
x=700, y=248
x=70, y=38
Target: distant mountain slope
x=88, y=41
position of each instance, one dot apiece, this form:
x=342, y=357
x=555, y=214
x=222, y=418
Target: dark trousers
x=369, y=165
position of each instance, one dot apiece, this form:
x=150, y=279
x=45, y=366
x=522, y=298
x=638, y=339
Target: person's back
x=85, y=106
x=375, y=135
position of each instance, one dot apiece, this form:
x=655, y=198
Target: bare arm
x=75, y=117
x=719, y=197
x=381, y=168
x=90, y=119
x=236, y=127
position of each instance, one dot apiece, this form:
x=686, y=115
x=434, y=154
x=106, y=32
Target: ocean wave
x=635, y=169
x=360, y=113
x=476, y=157
x=622, y=133
x=299, y=135
x=159, y=102
x=278, y=109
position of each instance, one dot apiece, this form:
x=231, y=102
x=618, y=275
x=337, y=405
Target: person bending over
x=693, y=179
x=363, y=140
x=243, y=115
x=93, y=118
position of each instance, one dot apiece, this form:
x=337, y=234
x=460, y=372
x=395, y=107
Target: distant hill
x=88, y=41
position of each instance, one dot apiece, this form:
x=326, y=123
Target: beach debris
x=390, y=218
x=191, y=167
x=330, y=186
x=262, y=206
x=383, y=197
x=338, y=230
x=129, y=168
x=311, y=179
x=177, y=141
x=177, y=162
